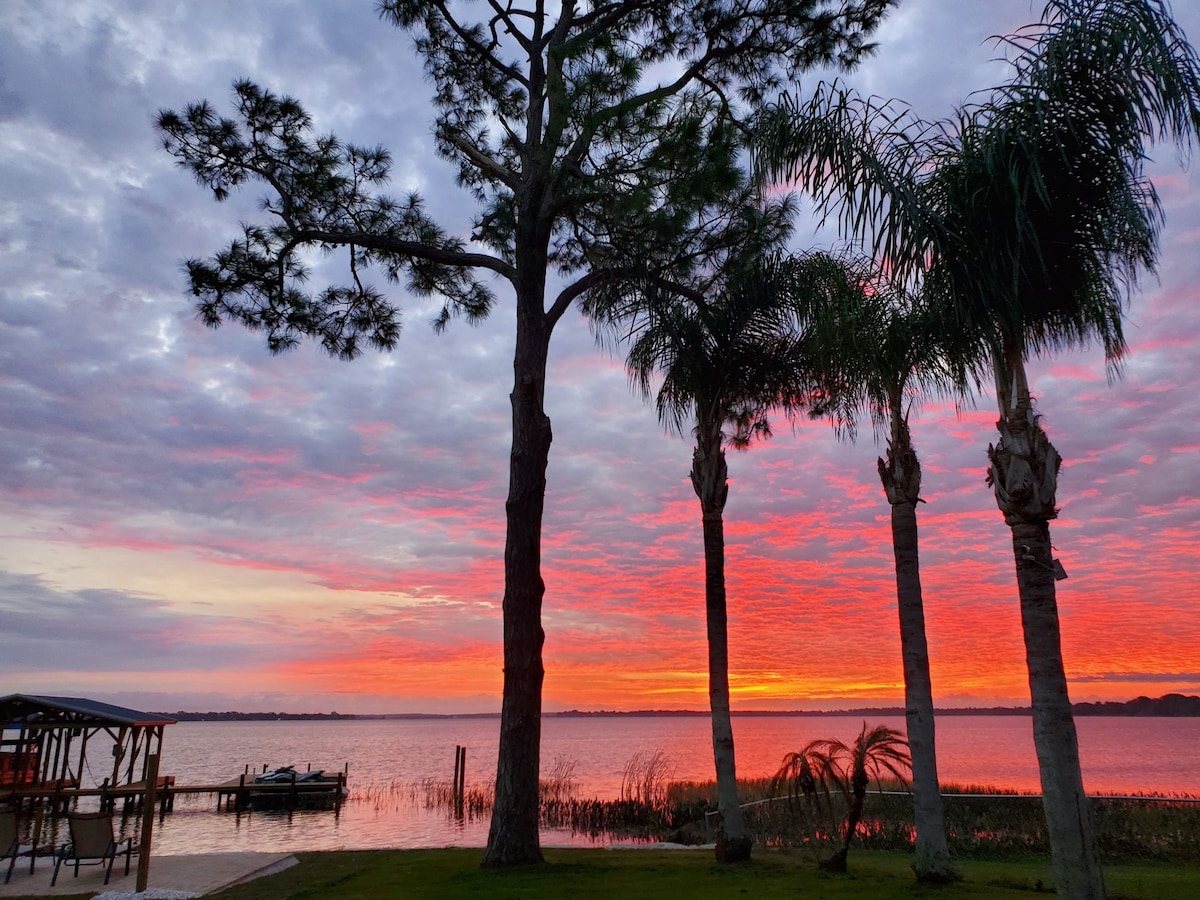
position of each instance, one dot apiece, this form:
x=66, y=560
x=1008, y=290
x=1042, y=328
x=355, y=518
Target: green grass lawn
x=675, y=875
x=651, y=874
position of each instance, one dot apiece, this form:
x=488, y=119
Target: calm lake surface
x=389, y=760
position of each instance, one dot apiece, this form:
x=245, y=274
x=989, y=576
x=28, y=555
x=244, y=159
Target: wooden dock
x=242, y=790
x=234, y=794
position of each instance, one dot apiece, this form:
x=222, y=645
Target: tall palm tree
x=1053, y=175
x=710, y=306
x=725, y=359
x=1031, y=217
x=829, y=764
x=895, y=348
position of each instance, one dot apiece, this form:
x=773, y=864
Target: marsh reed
x=982, y=822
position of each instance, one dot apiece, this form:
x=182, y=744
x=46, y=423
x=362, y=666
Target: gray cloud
x=103, y=631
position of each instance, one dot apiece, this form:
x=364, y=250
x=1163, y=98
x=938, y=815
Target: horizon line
x=891, y=710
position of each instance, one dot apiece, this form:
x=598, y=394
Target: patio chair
x=93, y=843
x=10, y=841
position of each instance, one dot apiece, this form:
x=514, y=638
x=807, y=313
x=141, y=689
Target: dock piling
x=143, y=868
x=459, y=786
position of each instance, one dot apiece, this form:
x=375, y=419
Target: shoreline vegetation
x=1167, y=706
x=982, y=822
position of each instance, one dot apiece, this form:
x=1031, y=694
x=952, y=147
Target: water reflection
x=397, y=766
x=357, y=825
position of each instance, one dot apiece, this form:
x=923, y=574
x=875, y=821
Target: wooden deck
x=236, y=793
x=241, y=790
x=44, y=801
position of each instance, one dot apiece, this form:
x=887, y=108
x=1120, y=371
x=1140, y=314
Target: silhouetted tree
x=890, y=348
x=827, y=764
x=557, y=122
x=1031, y=219
x=728, y=349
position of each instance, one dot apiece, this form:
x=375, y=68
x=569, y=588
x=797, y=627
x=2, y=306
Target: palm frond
x=862, y=159
x=1027, y=214
x=882, y=750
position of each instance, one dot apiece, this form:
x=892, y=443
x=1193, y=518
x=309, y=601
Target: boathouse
x=53, y=748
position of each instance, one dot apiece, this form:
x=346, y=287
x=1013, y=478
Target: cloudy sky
x=187, y=522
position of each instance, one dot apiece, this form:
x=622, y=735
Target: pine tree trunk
x=1024, y=474
x=710, y=480
x=901, y=477
x=513, y=836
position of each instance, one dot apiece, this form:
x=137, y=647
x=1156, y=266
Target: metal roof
x=28, y=709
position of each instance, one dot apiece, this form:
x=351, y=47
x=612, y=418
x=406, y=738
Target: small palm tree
x=827, y=765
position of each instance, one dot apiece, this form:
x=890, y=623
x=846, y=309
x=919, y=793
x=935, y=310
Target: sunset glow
x=187, y=522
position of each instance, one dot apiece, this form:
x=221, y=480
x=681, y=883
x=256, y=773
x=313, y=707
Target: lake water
x=390, y=759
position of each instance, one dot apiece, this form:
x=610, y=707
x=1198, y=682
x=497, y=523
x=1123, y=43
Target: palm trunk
x=858, y=794
x=513, y=836
x=901, y=477
x=710, y=480
x=1024, y=474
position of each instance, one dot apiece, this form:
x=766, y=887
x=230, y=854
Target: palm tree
x=897, y=350
x=709, y=305
x=1031, y=218
x=903, y=355
x=725, y=361
x=829, y=764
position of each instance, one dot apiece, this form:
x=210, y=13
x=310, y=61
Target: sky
x=187, y=522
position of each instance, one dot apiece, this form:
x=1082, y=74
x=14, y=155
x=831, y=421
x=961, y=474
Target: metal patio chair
x=93, y=843
x=10, y=841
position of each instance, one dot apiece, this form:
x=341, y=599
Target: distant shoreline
x=1168, y=706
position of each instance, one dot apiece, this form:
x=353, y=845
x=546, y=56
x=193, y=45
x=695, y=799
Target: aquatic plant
x=562, y=782
x=646, y=778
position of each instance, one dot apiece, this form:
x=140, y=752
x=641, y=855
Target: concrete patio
x=198, y=874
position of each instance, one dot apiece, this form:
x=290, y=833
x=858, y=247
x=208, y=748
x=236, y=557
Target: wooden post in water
x=458, y=789
x=143, y=870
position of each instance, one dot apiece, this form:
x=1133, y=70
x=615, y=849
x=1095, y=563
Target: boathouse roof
x=30, y=709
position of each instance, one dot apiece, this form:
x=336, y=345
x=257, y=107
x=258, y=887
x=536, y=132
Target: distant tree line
x=230, y=716
x=1169, y=705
